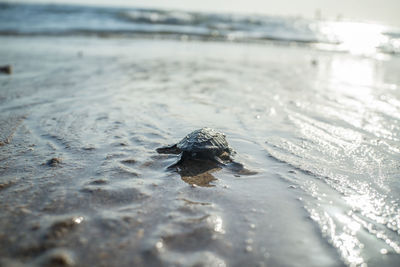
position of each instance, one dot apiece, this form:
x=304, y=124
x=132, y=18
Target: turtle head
x=173, y=149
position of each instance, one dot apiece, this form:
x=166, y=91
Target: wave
x=61, y=20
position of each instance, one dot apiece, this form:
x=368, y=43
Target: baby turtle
x=202, y=144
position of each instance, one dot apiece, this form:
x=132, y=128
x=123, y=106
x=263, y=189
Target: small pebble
x=99, y=182
x=314, y=62
x=54, y=162
x=57, y=257
x=7, y=69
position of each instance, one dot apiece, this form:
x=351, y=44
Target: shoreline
x=102, y=106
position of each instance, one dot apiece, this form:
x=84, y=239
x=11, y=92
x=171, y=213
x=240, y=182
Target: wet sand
x=81, y=182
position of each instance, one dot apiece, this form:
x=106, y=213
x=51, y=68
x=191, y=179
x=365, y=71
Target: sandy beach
x=81, y=183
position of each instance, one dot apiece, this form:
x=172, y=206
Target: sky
x=384, y=11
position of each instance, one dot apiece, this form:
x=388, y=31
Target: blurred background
x=385, y=11
x=367, y=28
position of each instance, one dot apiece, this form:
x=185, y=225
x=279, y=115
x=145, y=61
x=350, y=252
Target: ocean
x=311, y=107
x=59, y=20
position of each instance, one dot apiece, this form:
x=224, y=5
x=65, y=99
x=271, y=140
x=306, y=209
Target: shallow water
x=321, y=130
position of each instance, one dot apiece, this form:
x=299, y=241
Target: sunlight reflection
x=343, y=239
x=351, y=82
x=372, y=229
x=217, y=223
x=78, y=219
x=357, y=86
x=367, y=206
x=358, y=38
x=355, y=83
x=353, y=72
x=348, y=245
x=351, y=225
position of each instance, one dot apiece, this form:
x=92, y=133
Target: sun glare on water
x=356, y=37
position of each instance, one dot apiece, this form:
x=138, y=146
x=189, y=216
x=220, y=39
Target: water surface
x=320, y=128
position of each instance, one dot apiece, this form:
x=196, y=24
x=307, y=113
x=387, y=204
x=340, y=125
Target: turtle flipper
x=239, y=168
x=176, y=164
x=169, y=150
x=236, y=166
x=219, y=160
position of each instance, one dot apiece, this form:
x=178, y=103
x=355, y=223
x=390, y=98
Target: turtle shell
x=205, y=141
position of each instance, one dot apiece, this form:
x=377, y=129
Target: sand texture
x=81, y=183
